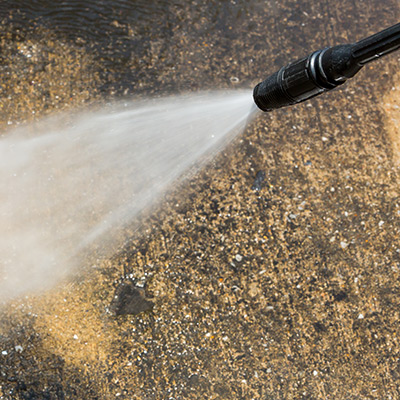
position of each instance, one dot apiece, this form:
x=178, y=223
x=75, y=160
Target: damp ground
x=271, y=274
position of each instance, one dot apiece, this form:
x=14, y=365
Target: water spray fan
x=323, y=70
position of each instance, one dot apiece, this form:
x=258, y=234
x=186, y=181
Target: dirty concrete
x=286, y=292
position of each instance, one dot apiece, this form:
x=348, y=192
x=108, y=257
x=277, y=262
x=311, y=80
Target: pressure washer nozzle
x=323, y=70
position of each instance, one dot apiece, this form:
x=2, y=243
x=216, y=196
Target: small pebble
x=239, y=258
x=19, y=349
x=258, y=181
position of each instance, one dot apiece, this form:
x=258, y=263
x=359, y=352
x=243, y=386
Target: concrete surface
x=289, y=292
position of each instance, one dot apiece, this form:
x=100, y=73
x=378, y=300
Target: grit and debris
x=274, y=273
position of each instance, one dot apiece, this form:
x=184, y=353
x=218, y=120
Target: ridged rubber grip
x=269, y=94
x=290, y=85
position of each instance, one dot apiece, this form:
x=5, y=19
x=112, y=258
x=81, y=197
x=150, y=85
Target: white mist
x=69, y=183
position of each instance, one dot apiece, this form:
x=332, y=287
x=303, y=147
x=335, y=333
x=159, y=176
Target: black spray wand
x=323, y=70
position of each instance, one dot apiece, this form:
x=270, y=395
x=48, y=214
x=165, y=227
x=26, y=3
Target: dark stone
x=221, y=389
x=340, y=296
x=198, y=382
x=258, y=182
x=319, y=327
x=129, y=299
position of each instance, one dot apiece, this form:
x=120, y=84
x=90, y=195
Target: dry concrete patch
x=391, y=107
